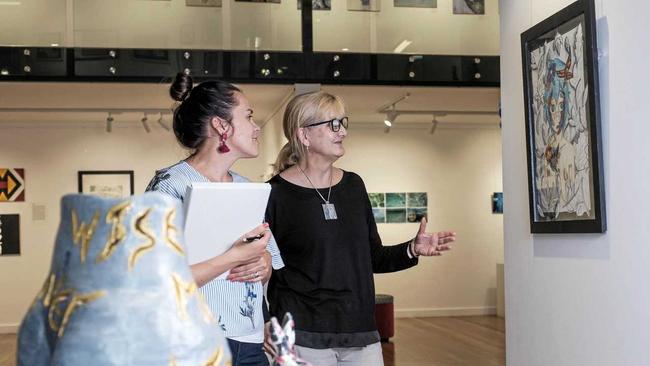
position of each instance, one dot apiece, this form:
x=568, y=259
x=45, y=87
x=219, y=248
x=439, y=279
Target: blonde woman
x=322, y=220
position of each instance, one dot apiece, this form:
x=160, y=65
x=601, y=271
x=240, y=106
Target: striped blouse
x=236, y=305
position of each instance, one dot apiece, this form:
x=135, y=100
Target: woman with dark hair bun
x=214, y=120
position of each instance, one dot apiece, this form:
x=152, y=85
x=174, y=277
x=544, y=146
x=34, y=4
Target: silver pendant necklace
x=328, y=208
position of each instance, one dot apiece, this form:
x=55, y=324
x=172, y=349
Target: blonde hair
x=303, y=110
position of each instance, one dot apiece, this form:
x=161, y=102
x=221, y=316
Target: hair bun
x=181, y=87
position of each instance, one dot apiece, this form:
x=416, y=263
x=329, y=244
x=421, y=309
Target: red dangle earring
x=223, y=148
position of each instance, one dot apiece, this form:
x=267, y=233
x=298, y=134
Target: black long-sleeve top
x=327, y=283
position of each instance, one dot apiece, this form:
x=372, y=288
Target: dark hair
x=199, y=104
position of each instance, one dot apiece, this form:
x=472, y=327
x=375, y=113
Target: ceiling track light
x=391, y=111
x=109, y=122
x=145, y=123
x=391, y=116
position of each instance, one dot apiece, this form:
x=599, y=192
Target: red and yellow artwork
x=12, y=185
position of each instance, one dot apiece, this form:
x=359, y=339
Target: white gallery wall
x=459, y=168
x=581, y=299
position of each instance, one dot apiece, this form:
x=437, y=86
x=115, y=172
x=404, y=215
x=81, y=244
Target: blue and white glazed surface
x=119, y=291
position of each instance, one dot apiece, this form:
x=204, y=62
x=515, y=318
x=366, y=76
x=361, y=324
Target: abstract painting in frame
x=317, y=4
x=364, y=5
x=204, y=3
x=259, y=1
x=415, y=3
x=9, y=234
x=564, y=145
x=106, y=183
x=12, y=185
x=475, y=7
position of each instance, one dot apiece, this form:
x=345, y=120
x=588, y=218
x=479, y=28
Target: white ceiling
x=362, y=101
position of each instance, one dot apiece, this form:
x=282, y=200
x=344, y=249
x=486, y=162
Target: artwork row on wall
x=475, y=7
x=399, y=207
x=106, y=183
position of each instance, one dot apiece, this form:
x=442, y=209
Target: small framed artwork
x=106, y=183
x=364, y=5
x=416, y=214
x=476, y=7
x=379, y=215
x=259, y=1
x=497, y=203
x=204, y=3
x=415, y=3
x=416, y=203
x=563, y=137
x=317, y=4
x=395, y=200
x=9, y=234
x=12, y=185
x=396, y=215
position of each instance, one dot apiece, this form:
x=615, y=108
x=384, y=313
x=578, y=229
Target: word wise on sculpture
x=283, y=338
x=119, y=291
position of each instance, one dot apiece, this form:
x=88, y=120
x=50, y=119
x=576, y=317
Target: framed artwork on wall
x=364, y=5
x=204, y=3
x=399, y=207
x=317, y=4
x=106, y=183
x=564, y=144
x=497, y=203
x=12, y=185
x=10, y=234
x=476, y=7
x=260, y=1
x=415, y=3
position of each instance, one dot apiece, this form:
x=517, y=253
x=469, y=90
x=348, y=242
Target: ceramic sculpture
x=119, y=291
x=283, y=338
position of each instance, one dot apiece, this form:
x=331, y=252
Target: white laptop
x=218, y=214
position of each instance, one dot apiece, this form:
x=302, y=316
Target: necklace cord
x=327, y=201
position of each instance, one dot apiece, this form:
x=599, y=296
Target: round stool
x=384, y=316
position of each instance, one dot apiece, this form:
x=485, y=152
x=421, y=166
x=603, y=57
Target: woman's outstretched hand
x=432, y=244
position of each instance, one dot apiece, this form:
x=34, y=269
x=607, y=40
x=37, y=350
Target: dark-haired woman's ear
x=220, y=126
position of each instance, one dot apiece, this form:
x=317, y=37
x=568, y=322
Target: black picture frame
x=106, y=183
x=9, y=234
x=563, y=133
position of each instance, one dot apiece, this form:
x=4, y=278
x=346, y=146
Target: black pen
x=253, y=238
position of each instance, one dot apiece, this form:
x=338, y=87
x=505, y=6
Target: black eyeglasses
x=335, y=124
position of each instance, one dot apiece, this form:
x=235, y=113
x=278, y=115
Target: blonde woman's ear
x=302, y=137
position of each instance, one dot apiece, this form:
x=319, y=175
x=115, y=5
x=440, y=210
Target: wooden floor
x=7, y=349
x=453, y=341
x=447, y=341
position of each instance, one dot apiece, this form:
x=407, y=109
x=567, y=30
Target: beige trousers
x=369, y=355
